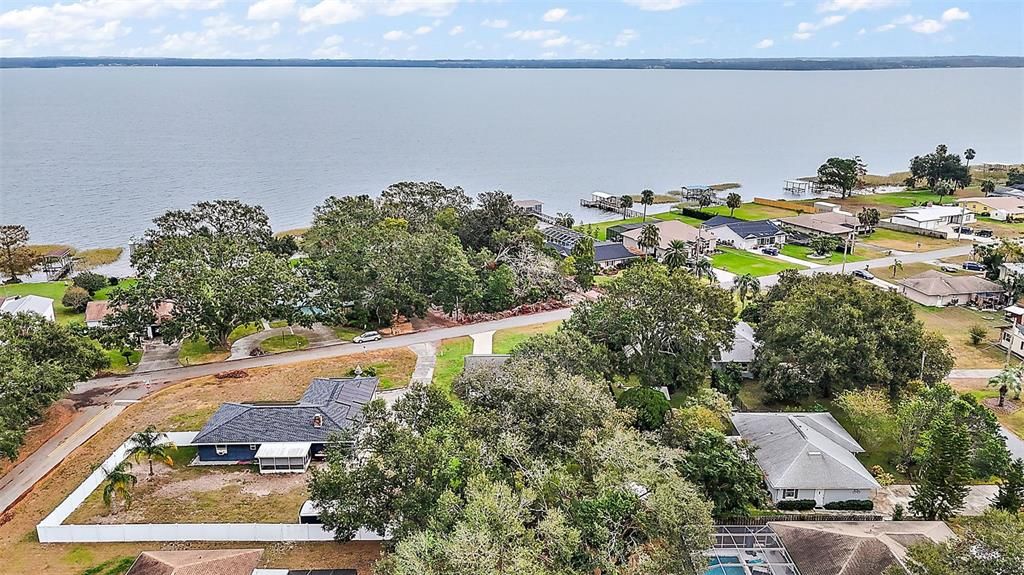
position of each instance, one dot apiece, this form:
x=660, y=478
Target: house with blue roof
x=746, y=235
x=284, y=437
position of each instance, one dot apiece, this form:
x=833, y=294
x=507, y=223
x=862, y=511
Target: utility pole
x=960, y=227
x=923, y=354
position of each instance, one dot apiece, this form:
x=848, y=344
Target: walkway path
x=973, y=373
x=797, y=261
x=482, y=342
x=426, y=359
x=318, y=336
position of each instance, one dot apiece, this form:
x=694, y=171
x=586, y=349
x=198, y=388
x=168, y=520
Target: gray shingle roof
x=716, y=221
x=743, y=345
x=338, y=401
x=804, y=451
x=936, y=283
x=755, y=229
x=612, y=251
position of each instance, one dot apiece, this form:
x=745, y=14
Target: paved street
x=105, y=397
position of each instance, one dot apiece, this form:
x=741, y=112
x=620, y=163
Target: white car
x=368, y=336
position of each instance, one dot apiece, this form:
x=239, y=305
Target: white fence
x=52, y=529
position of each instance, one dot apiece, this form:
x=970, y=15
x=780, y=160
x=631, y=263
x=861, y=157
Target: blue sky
x=427, y=29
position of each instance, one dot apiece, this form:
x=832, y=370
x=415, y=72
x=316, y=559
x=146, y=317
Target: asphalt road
x=101, y=400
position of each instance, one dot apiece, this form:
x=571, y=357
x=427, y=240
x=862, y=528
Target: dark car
x=770, y=250
x=983, y=233
x=973, y=266
x=863, y=274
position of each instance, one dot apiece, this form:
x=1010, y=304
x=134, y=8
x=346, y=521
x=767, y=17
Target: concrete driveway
x=157, y=356
x=978, y=500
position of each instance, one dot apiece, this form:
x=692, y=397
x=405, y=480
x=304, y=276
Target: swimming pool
x=724, y=559
x=726, y=570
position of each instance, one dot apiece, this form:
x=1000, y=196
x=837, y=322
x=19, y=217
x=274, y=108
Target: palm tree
x=646, y=198
x=969, y=154
x=626, y=201
x=564, y=219
x=942, y=189
x=1011, y=378
x=676, y=255
x=733, y=201
x=896, y=266
x=650, y=238
x=151, y=444
x=987, y=187
x=702, y=268
x=119, y=483
x=746, y=283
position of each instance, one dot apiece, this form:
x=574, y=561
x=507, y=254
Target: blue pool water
x=720, y=559
x=726, y=570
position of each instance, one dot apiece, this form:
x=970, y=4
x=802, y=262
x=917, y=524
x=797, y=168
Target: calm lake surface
x=89, y=156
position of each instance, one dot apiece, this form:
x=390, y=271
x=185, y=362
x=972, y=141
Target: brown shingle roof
x=935, y=283
x=96, y=310
x=203, y=562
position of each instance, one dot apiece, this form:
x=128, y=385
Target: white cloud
x=330, y=48
x=836, y=44
x=805, y=30
x=532, y=34
x=766, y=43
x=270, y=9
x=395, y=35
x=549, y=55
x=422, y=30
x=625, y=37
x=456, y=30
x=330, y=12
x=862, y=31
x=954, y=14
x=585, y=48
x=658, y=5
x=928, y=26
x=555, y=14
x=555, y=42
x=489, y=23
x=432, y=8
x=855, y=5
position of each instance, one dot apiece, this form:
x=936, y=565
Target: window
x=221, y=449
x=789, y=493
x=253, y=446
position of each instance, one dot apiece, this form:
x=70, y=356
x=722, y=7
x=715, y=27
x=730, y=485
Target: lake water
x=90, y=155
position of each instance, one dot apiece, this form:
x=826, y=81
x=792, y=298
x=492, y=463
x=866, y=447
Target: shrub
x=650, y=405
x=113, y=280
x=897, y=512
x=727, y=380
x=851, y=505
x=75, y=298
x=796, y=505
x=698, y=214
x=90, y=282
x=977, y=334
x=368, y=371
x=883, y=477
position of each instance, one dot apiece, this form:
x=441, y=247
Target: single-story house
x=39, y=305
x=854, y=547
x=932, y=217
x=840, y=225
x=700, y=241
x=283, y=437
x=748, y=235
x=1010, y=269
x=742, y=351
x=1002, y=208
x=1016, y=190
x=531, y=206
x=96, y=312
x=719, y=220
x=806, y=456
x=936, y=289
x=196, y=562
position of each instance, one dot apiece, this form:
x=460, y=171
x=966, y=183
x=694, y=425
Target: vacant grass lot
x=954, y=323
x=183, y=407
x=981, y=391
x=183, y=494
x=742, y=262
x=804, y=253
x=505, y=340
x=284, y=342
x=752, y=211
x=893, y=240
x=910, y=270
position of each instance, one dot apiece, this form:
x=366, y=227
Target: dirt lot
x=954, y=323
x=177, y=408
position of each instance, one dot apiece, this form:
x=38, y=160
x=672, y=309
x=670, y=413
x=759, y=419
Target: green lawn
x=197, y=351
x=803, y=253
x=449, y=360
x=903, y=241
x=752, y=211
x=346, y=333
x=506, y=340
x=118, y=363
x=742, y=262
x=284, y=342
x=954, y=323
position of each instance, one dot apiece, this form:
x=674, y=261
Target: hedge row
x=796, y=504
x=851, y=505
x=702, y=216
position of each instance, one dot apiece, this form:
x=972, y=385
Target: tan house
x=700, y=241
x=937, y=289
x=1002, y=208
x=840, y=225
x=205, y=562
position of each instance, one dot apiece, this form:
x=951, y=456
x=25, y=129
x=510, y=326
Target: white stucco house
x=933, y=217
x=806, y=456
x=38, y=305
x=741, y=354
